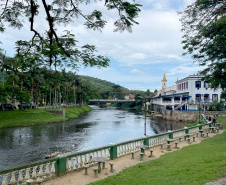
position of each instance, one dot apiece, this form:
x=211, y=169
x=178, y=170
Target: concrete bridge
x=110, y=101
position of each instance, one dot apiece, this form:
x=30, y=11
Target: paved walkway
x=78, y=177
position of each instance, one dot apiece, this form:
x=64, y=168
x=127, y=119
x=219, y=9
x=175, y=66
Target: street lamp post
x=199, y=110
x=145, y=109
x=200, y=103
x=144, y=114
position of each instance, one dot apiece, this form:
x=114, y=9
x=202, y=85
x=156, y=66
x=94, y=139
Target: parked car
x=25, y=106
x=7, y=106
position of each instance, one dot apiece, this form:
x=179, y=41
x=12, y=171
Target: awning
x=186, y=96
x=167, y=96
x=177, y=96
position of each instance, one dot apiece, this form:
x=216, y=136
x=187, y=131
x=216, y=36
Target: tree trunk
x=50, y=96
x=3, y=77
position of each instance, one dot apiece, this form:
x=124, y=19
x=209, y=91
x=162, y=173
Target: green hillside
x=108, y=89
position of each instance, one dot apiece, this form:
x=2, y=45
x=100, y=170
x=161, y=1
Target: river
x=100, y=127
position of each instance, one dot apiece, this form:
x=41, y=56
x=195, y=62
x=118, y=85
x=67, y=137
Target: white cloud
x=185, y=70
x=155, y=42
x=135, y=71
x=137, y=87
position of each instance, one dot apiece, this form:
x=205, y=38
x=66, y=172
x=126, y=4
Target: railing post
x=60, y=166
x=187, y=131
x=113, y=151
x=171, y=135
x=146, y=141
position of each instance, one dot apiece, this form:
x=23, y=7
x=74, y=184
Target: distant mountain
x=108, y=89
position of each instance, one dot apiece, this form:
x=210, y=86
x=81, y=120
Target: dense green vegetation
x=109, y=90
x=192, y=165
x=51, y=47
x=37, y=116
x=43, y=86
x=204, y=27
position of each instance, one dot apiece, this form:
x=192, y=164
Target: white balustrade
x=178, y=134
x=34, y=176
x=53, y=170
x=40, y=175
x=193, y=130
x=20, y=178
x=205, y=127
x=27, y=176
x=76, y=162
x=13, y=179
x=47, y=170
x=4, y=180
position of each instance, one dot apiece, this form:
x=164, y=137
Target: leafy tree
x=117, y=92
x=49, y=43
x=3, y=94
x=216, y=106
x=204, y=27
x=22, y=96
x=148, y=93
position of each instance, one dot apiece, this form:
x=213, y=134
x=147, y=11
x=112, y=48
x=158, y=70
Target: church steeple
x=164, y=82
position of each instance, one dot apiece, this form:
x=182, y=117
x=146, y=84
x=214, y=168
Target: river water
x=100, y=127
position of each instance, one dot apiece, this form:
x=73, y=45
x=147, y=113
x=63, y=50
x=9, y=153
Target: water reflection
x=98, y=128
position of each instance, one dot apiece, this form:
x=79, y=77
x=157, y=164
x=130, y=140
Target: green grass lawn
x=193, y=165
x=222, y=120
x=37, y=116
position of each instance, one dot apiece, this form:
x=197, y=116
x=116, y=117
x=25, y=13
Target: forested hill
x=108, y=89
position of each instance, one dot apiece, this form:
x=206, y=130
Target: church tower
x=164, y=82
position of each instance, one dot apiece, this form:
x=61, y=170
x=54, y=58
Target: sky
x=138, y=60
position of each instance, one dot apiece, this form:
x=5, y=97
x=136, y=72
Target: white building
x=187, y=94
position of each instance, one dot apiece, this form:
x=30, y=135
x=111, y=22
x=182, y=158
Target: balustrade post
x=113, y=151
x=187, y=131
x=146, y=141
x=171, y=135
x=60, y=166
x=4, y=180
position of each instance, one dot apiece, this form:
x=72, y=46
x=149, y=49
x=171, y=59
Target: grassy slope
x=37, y=116
x=195, y=164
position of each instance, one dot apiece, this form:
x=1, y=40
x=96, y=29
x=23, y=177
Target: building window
x=206, y=97
x=198, y=84
x=198, y=97
x=206, y=85
x=187, y=85
x=215, y=97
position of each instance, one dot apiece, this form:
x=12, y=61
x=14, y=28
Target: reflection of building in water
x=160, y=126
x=187, y=94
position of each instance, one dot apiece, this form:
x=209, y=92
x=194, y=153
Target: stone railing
x=50, y=168
x=179, y=133
x=157, y=139
x=80, y=159
x=40, y=170
x=128, y=147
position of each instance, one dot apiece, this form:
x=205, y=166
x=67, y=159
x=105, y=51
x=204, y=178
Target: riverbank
x=18, y=118
x=197, y=163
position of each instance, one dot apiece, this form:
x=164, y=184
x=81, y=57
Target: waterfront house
x=187, y=94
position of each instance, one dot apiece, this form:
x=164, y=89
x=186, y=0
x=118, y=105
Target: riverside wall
x=188, y=116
